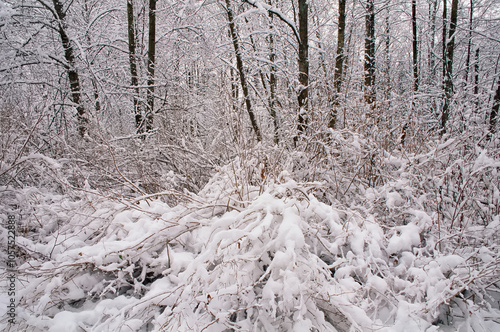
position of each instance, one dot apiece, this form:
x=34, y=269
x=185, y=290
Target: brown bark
x=74, y=79
x=476, y=73
x=432, y=17
x=273, y=81
x=494, y=110
x=387, y=69
x=241, y=71
x=133, y=65
x=303, y=67
x=151, y=65
x=415, y=44
x=339, y=65
x=469, y=43
x=449, y=48
x=370, y=53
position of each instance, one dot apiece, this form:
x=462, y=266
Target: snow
x=449, y=263
x=377, y=283
x=483, y=160
x=404, y=239
x=370, y=194
x=6, y=11
x=407, y=320
x=394, y=199
x=290, y=233
x=270, y=260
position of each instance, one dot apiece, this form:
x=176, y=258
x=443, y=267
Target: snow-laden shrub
x=269, y=258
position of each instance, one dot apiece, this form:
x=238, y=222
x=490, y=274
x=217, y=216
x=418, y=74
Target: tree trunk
x=74, y=80
x=151, y=65
x=339, y=65
x=133, y=66
x=92, y=76
x=235, y=92
x=476, y=73
x=432, y=63
x=97, y=101
x=444, y=111
x=272, y=77
x=370, y=53
x=445, y=29
x=388, y=88
x=415, y=44
x=273, y=81
x=303, y=67
x=239, y=66
x=449, y=48
x=469, y=43
x=494, y=110
x=272, y=99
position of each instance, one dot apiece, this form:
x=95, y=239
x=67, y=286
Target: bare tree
x=494, y=111
x=433, y=7
x=369, y=64
x=273, y=81
x=387, y=56
x=476, y=72
x=415, y=43
x=469, y=42
x=303, y=67
x=449, y=48
x=303, y=57
x=241, y=70
x=150, y=98
x=133, y=65
x=339, y=64
x=59, y=14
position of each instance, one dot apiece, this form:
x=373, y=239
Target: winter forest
x=250, y=165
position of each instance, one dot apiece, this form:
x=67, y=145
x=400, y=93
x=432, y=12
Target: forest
x=250, y=165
